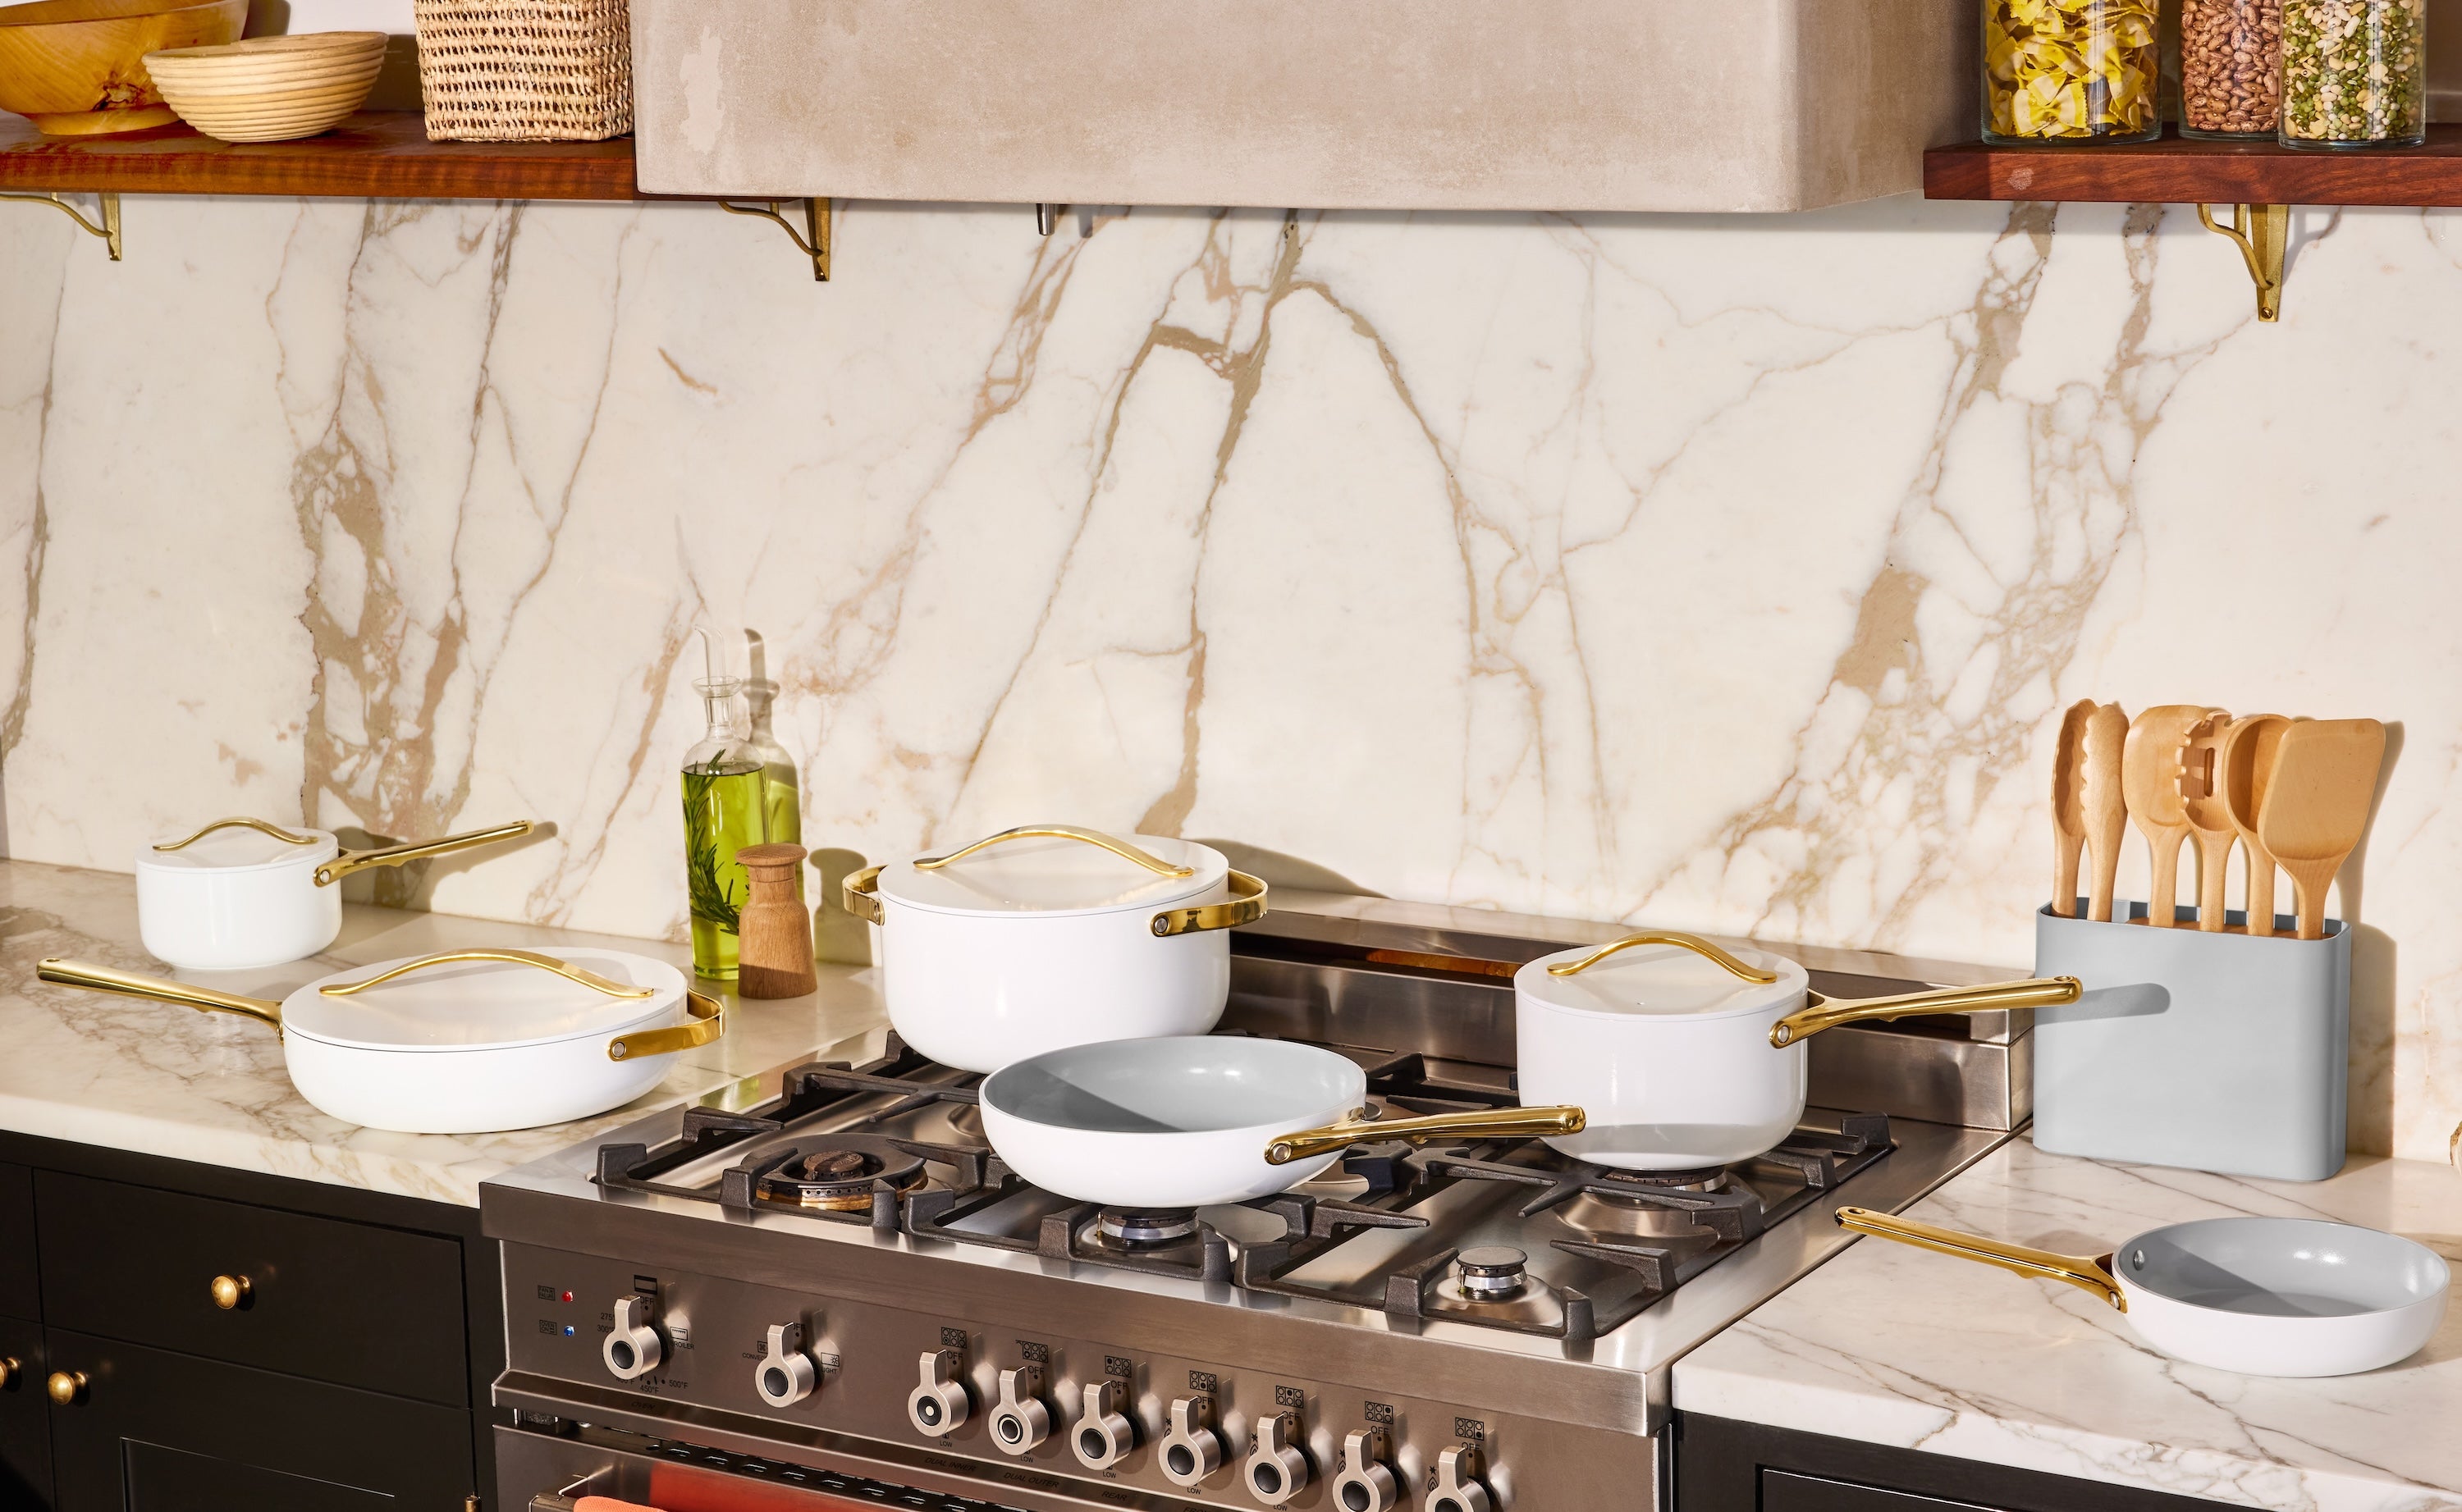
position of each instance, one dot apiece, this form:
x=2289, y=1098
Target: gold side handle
x=545, y=962
x=1118, y=847
x=708, y=1023
x=351, y=861
x=241, y=822
x=1690, y=942
x=128, y=984
x=232, y=1293
x=1487, y=1122
x=1246, y=905
x=861, y=892
x=1821, y=1013
x=2085, y=1272
x=67, y=1387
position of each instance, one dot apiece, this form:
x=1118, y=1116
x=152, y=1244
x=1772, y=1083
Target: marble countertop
x=1889, y=1344
x=210, y=1087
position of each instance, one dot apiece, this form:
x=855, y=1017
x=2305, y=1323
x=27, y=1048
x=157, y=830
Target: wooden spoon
x=2149, y=776
x=2107, y=805
x=2249, y=748
x=2208, y=816
x=2069, y=808
x=2316, y=812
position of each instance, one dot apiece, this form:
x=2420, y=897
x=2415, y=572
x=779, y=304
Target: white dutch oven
x=465, y=1042
x=1687, y=1055
x=1062, y=936
x=2262, y=1296
x=242, y=893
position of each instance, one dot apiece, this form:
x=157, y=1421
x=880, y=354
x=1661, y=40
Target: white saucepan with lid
x=1052, y=936
x=242, y=893
x=1688, y=1056
x=2260, y=1296
x=1195, y=1120
x=466, y=1041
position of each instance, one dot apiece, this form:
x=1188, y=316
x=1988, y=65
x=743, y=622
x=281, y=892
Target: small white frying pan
x=2260, y=1296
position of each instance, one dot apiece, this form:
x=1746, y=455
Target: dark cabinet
x=1726, y=1466
x=1783, y=1491
x=25, y=1425
x=18, y=1296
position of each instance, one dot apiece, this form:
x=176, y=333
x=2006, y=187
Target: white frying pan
x=1196, y=1119
x=465, y=1042
x=2260, y=1296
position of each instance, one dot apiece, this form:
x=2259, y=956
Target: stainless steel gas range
x=836, y=1294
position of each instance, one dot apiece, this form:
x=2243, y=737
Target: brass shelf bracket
x=814, y=241
x=108, y=230
x=2262, y=233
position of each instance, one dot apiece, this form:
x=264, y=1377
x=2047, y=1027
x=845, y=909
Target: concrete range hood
x=1320, y=104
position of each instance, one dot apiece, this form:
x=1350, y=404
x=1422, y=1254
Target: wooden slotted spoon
x=2107, y=804
x=2249, y=748
x=2150, y=776
x=2069, y=808
x=2208, y=816
x=2316, y=812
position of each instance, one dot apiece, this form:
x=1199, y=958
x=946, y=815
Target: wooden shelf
x=376, y=154
x=2179, y=171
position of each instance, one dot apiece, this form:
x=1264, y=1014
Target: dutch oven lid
x=1057, y=869
x=483, y=1003
x=240, y=844
x=1663, y=974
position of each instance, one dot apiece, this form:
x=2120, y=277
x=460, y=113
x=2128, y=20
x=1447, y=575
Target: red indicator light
x=568, y=1296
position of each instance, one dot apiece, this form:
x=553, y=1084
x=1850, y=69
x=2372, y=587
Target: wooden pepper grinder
x=774, y=951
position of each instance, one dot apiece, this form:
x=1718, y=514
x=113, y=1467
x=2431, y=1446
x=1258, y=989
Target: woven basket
x=525, y=70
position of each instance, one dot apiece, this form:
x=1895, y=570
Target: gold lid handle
x=2085, y=1272
x=1489, y=1123
x=545, y=962
x=1821, y=1013
x=1690, y=942
x=351, y=861
x=1118, y=847
x=128, y=984
x=241, y=822
x=709, y=1022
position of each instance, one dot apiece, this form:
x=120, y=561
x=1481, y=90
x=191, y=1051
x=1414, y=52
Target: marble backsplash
x=1726, y=573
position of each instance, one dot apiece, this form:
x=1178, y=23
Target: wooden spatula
x=2107, y=804
x=2069, y=808
x=2149, y=776
x=2249, y=748
x=2316, y=811
x=2208, y=816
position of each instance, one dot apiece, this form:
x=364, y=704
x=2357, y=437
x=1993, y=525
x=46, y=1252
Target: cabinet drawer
x=1784, y=1491
x=159, y=1430
x=18, y=1296
x=327, y=1298
x=25, y=1428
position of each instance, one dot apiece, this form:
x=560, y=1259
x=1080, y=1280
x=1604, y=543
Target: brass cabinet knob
x=9, y=1370
x=229, y=1291
x=67, y=1386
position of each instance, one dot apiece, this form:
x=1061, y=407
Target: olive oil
x=730, y=802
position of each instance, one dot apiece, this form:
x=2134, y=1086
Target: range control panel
x=1197, y=1430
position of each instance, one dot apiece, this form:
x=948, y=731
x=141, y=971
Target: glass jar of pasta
x=2354, y=73
x=2078, y=71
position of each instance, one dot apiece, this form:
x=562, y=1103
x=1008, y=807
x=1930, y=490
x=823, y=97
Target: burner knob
x=633, y=1350
x=939, y=1406
x=1366, y=1484
x=786, y=1374
x=1192, y=1450
x=1458, y=1487
x=1104, y=1436
x=1021, y=1421
x=1277, y=1468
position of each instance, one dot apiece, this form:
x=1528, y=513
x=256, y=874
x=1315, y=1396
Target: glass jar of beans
x=2231, y=67
x=2077, y=70
x=2354, y=73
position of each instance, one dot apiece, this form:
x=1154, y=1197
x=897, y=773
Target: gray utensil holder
x=2212, y=1052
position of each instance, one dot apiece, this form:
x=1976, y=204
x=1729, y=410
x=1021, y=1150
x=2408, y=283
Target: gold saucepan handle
x=1821, y=1013
x=1493, y=1122
x=241, y=822
x=2085, y=1272
x=128, y=984
x=861, y=892
x=545, y=962
x=1690, y=942
x=708, y=1023
x=351, y=861
x=1118, y=847
x=1246, y=905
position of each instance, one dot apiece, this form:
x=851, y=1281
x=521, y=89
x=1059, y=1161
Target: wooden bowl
x=77, y=67
x=270, y=89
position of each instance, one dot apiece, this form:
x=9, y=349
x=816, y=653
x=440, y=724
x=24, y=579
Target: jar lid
x=239, y=844
x=1056, y=869
x=1663, y=980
